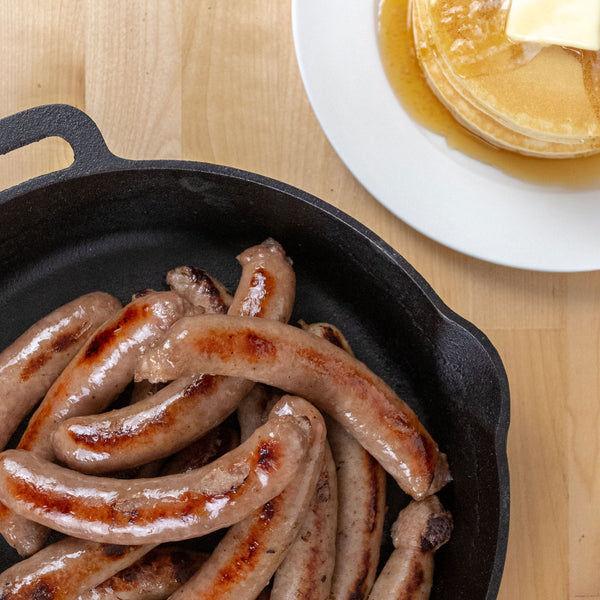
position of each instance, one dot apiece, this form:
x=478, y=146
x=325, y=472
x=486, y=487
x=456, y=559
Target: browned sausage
x=160, y=509
x=361, y=512
x=29, y=366
x=150, y=429
x=199, y=288
x=155, y=576
x=268, y=283
x=361, y=500
x=99, y=371
x=186, y=409
x=307, y=570
x=298, y=362
x=244, y=561
x=66, y=568
x=421, y=528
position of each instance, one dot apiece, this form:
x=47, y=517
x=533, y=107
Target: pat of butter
x=574, y=23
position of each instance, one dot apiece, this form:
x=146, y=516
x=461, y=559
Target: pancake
x=541, y=101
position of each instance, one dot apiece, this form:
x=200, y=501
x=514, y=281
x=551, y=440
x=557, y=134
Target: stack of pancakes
x=536, y=100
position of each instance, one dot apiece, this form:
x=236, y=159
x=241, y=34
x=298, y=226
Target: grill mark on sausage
x=215, y=299
x=98, y=438
x=41, y=591
x=103, y=339
x=247, y=344
x=373, y=470
x=34, y=364
x=323, y=491
x=359, y=590
x=60, y=344
x=259, y=347
x=202, y=386
x=51, y=502
x=118, y=514
x=268, y=456
x=249, y=552
x=414, y=582
x=330, y=335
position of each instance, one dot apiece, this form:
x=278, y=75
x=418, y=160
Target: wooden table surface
x=218, y=81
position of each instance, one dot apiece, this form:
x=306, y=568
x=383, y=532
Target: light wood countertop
x=217, y=81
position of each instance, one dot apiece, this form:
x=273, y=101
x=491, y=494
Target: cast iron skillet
x=117, y=225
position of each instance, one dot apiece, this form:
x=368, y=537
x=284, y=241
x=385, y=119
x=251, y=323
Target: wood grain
x=218, y=82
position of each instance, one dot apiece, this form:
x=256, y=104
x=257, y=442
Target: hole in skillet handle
x=34, y=160
x=90, y=152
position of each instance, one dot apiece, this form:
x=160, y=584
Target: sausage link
x=151, y=429
x=65, y=569
x=361, y=500
x=420, y=529
x=246, y=558
x=361, y=512
x=307, y=570
x=186, y=409
x=155, y=576
x=298, y=362
x=29, y=366
x=160, y=509
x=267, y=284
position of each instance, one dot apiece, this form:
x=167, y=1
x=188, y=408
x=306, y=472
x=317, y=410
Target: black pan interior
x=122, y=231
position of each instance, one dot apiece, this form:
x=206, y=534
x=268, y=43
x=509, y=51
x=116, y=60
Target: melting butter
x=572, y=23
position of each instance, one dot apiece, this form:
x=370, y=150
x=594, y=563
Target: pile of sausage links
x=234, y=420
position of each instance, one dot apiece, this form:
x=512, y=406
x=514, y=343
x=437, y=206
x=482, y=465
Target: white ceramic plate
x=455, y=200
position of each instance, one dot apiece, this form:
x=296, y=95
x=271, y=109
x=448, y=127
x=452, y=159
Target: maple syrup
x=406, y=78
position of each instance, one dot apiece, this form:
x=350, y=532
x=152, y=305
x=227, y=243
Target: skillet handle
x=62, y=120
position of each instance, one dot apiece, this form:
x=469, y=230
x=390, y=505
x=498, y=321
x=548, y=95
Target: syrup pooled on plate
x=408, y=81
